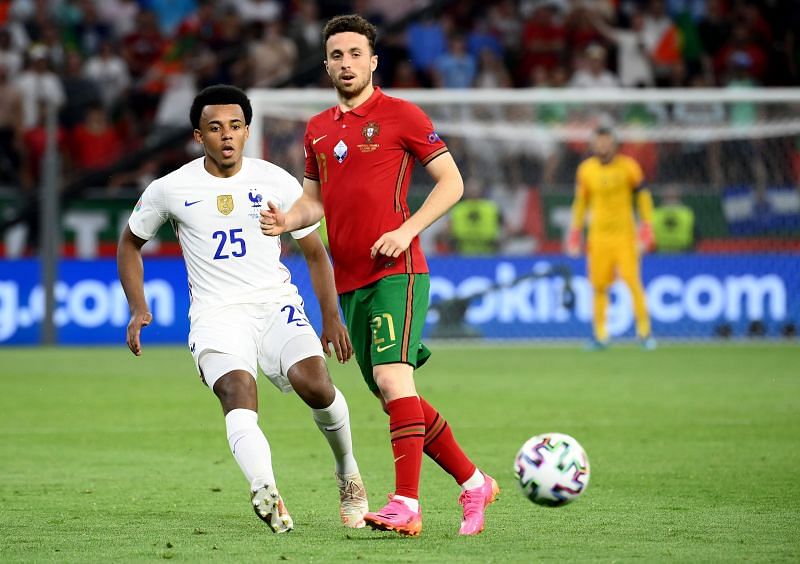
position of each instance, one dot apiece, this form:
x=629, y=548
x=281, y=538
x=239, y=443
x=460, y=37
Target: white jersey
x=228, y=259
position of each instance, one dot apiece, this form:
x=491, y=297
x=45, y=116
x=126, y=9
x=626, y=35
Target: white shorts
x=254, y=335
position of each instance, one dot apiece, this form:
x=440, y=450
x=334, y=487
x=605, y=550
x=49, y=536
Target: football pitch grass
x=694, y=451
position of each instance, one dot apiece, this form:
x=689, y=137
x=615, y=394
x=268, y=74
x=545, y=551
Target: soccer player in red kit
x=359, y=157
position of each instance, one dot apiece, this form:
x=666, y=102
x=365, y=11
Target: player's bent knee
x=394, y=380
x=237, y=390
x=304, y=366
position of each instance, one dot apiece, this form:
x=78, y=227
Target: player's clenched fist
x=273, y=220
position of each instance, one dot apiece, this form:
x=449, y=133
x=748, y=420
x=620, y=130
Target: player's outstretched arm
x=131, y=276
x=307, y=210
x=319, y=267
x=446, y=193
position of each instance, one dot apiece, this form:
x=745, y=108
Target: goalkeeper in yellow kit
x=607, y=185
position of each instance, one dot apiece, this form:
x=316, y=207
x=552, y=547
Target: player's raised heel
x=269, y=506
x=352, y=500
x=475, y=502
x=396, y=516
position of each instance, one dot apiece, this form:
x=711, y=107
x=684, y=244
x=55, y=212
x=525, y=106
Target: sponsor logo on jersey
x=138, y=205
x=225, y=204
x=433, y=137
x=369, y=131
x=340, y=151
x=318, y=139
x=187, y=203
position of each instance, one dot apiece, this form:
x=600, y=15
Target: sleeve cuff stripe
x=433, y=155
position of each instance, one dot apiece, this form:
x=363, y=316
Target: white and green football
x=552, y=469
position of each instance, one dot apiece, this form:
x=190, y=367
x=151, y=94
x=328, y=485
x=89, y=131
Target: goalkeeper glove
x=574, y=242
x=647, y=239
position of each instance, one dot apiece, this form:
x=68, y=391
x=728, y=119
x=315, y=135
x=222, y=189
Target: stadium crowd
x=122, y=71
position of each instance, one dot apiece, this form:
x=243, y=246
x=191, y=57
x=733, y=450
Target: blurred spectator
x=405, y=76
x=580, y=30
x=272, y=56
x=110, y=72
x=94, y=142
x=16, y=29
x=199, y=29
x=80, y=91
x=231, y=48
x=143, y=45
x=55, y=45
x=475, y=222
x=456, y=68
x=745, y=156
x=120, y=14
x=713, y=29
x=43, y=15
x=660, y=36
x=10, y=58
x=592, y=71
x=305, y=29
x=38, y=84
x=673, y=223
x=34, y=141
x=426, y=40
x=492, y=73
x=504, y=23
x=393, y=11
x=90, y=31
x=481, y=38
x=10, y=129
x=543, y=40
x=739, y=47
x=633, y=58
x=258, y=11
x=170, y=13
x=700, y=156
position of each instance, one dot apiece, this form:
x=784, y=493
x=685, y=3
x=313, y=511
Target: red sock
x=441, y=445
x=407, y=428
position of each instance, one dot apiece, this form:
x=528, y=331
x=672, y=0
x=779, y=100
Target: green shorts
x=385, y=321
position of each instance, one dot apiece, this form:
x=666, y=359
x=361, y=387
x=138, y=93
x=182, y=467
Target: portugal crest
x=225, y=204
x=370, y=131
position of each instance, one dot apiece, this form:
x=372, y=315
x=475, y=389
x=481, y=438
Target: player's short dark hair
x=350, y=22
x=604, y=130
x=218, y=95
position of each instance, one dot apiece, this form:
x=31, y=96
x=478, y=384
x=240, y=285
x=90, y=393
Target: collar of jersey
x=362, y=109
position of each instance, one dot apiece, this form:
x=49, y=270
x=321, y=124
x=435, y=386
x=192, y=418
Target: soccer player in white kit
x=244, y=311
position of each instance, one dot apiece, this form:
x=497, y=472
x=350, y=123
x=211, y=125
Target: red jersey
x=363, y=161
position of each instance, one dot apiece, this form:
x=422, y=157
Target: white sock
x=334, y=422
x=250, y=447
x=474, y=481
x=411, y=503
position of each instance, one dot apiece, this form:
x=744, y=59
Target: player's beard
x=354, y=90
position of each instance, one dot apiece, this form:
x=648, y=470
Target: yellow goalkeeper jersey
x=607, y=191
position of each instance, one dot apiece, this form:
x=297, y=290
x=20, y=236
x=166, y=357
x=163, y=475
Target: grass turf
x=694, y=453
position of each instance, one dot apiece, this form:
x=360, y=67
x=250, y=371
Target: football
x=552, y=469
